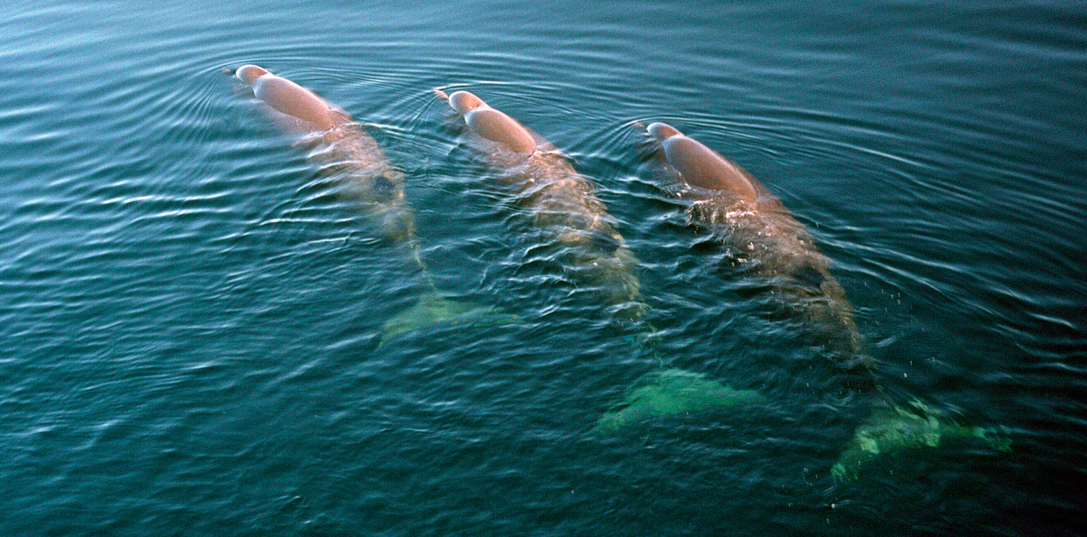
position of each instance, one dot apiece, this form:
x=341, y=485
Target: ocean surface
x=191, y=316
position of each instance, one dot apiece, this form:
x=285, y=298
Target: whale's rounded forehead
x=463, y=101
x=249, y=73
x=703, y=167
x=498, y=127
x=663, y=131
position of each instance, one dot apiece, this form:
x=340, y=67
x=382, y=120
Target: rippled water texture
x=191, y=307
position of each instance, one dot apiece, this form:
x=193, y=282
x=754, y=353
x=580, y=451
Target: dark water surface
x=189, y=314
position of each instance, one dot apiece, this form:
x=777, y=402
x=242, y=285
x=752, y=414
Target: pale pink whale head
x=287, y=97
x=492, y=124
x=701, y=166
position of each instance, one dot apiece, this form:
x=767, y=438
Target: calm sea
x=190, y=316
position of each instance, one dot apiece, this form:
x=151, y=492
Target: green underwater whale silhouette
x=891, y=428
x=436, y=308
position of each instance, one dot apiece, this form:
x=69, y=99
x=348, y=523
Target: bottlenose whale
x=561, y=202
x=771, y=243
x=342, y=147
x=740, y=211
x=558, y=200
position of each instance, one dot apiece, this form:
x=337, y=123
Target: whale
x=288, y=98
x=557, y=200
x=340, y=146
x=741, y=212
x=767, y=240
x=343, y=148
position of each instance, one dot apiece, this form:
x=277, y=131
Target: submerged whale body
x=346, y=151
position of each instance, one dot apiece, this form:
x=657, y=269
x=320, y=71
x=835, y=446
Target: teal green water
x=191, y=312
